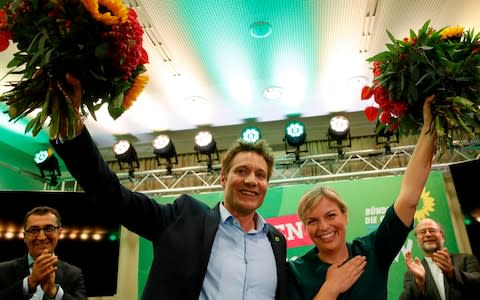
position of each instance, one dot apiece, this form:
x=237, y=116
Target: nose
x=322, y=225
x=251, y=179
x=41, y=235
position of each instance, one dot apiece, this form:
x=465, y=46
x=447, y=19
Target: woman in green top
x=335, y=269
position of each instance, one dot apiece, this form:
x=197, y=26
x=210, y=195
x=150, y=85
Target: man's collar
x=226, y=216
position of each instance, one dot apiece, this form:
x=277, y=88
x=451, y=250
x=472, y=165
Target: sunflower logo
x=428, y=204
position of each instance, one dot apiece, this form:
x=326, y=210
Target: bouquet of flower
x=444, y=63
x=97, y=41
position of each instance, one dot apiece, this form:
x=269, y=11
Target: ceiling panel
x=207, y=71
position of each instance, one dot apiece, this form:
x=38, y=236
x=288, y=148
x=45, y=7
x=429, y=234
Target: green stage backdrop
x=367, y=201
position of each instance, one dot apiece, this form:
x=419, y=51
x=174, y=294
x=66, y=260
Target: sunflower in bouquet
x=97, y=41
x=444, y=63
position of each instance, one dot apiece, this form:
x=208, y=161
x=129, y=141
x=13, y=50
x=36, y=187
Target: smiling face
x=429, y=236
x=326, y=226
x=37, y=243
x=245, y=184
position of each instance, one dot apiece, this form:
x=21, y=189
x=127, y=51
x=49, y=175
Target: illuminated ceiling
x=207, y=70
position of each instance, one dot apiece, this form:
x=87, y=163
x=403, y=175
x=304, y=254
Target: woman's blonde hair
x=310, y=200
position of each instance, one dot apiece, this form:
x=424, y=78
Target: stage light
x=338, y=131
x=250, y=135
x=295, y=133
x=47, y=163
x=205, y=144
x=163, y=148
x=295, y=136
x=126, y=154
x=339, y=127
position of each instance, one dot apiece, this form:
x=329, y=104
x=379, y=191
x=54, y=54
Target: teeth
x=327, y=236
x=248, y=193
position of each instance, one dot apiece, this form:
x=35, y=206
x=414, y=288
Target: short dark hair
x=260, y=147
x=41, y=211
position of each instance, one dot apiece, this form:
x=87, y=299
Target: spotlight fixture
x=206, y=145
x=250, y=135
x=126, y=154
x=295, y=133
x=386, y=136
x=295, y=136
x=338, y=131
x=47, y=163
x=163, y=148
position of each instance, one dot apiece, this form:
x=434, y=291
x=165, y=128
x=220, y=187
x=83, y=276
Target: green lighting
x=41, y=156
x=250, y=135
x=113, y=236
x=467, y=220
x=295, y=133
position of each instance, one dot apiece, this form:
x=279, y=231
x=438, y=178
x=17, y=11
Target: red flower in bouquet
x=98, y=41
x=443, y=62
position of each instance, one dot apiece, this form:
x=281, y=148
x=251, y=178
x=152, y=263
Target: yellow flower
x=451, y=32
x=116, y=13
x=427, y=208
x=132, y=93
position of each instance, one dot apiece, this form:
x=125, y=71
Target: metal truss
x=287, y=170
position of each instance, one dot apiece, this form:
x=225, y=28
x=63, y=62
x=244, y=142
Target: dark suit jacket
x=181, y=233
x=12, y=273
x=464, y=285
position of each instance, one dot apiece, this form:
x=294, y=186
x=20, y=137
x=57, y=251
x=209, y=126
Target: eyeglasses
x=424, y=231
x=48, y=230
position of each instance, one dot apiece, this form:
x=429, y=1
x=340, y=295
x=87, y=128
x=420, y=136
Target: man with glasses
x=40, y=274
x=440, y=275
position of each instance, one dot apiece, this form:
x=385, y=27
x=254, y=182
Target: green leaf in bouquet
x=414, y=73
x=451, y=119
x=102, y=50
x=54, y=118
x=466, y=130
x=382, y=56
x=32, y=124
x=115, y=107
x=422, y=33
x=462, y=101
x=391, y=37
x=17, y=60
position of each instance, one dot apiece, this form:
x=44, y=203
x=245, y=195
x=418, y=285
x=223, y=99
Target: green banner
x=367, y=200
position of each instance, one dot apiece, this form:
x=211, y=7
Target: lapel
x=59, y=274
x=212, y=218
x=432, y=286
x=446, y=284
x=210, y=227
x=276, y=243
x=21, y=268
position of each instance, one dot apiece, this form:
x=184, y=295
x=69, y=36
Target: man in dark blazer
x=227, y=252
x=40, y=274
x=440, y=275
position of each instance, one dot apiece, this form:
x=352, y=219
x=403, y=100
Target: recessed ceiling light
x=196, y=100
x=273, y=92
x=357, y=81
x=260, y=29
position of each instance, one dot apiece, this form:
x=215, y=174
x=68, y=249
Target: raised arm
x=418, y=169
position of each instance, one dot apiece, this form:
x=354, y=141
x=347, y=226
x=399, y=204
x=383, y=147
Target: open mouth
x=328, y=237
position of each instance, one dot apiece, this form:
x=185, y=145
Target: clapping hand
x=416, y=268
x=43, y=272
x=442, y=259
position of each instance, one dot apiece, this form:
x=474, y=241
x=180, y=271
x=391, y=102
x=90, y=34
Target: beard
x=431, y=247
